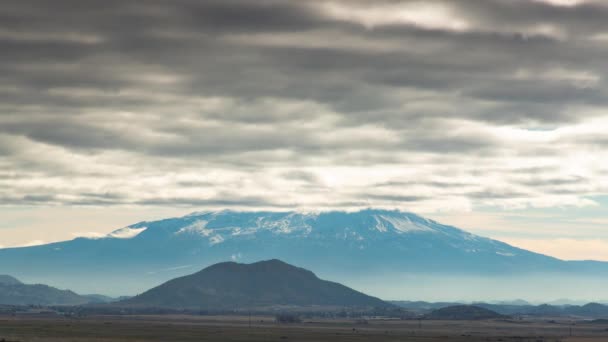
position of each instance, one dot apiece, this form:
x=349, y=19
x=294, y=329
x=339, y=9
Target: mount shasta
x=386, y=253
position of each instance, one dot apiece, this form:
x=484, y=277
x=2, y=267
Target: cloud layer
x=418, y=105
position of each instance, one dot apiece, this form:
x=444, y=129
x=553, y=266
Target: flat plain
x=263, y=328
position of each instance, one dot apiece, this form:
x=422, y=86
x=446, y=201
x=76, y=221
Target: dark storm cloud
x=395, y=198
x=599, y=141
x=69, y=134
x=554, y=181
x=445, y=143
x=433, y=184
x=4, y=151
x=146, y=94
x=299, y=175
x=40, y=199
x=498, y=194
x=219, y=201
x=192, y=44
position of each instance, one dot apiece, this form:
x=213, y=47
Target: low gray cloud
x=301, y=104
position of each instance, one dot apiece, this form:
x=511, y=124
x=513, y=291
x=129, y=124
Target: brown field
x=231, y=328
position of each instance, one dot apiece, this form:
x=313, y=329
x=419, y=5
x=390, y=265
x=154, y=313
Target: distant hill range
x=260, y=285
x=590, y=310
x=463, y=312
x=14, y=292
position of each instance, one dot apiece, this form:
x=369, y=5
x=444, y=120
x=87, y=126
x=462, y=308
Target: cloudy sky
x=487, y=114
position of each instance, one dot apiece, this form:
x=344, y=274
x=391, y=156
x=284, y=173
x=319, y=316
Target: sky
x=490, y=115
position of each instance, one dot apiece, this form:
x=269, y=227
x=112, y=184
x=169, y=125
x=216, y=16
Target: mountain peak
x=268, y=267
x=273, y=262
x=9, y=280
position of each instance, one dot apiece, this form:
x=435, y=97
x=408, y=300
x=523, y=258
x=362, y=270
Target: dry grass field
x=230, y=328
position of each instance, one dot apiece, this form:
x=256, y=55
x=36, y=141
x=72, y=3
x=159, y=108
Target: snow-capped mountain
x=362, y=246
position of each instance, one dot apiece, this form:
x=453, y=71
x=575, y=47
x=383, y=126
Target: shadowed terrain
x=14, y=292
x=231, y=285
x=263, y=328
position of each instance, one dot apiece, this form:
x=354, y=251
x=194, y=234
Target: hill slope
x=13, y=292
x=378, y=247
x=231, y=285
x=9, y=280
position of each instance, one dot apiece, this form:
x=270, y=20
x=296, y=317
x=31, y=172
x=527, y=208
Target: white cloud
x=89, y=235
x=32, y=243
x=563, y=2
x=420, y=13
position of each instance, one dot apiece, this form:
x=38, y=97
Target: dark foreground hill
x=14, y=292
x=463, y=312
x=263, y=284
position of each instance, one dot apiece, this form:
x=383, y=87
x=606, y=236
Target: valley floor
x=232, y=328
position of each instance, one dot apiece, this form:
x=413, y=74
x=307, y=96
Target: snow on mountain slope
x=126, y=233
x=348, y=244
x=211, y=225
x=365, y=228
x=400, y=224
x=208, y=223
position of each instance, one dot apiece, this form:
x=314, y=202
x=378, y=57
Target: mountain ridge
x=363, y=247
x=14, y=292
x=6, y=279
